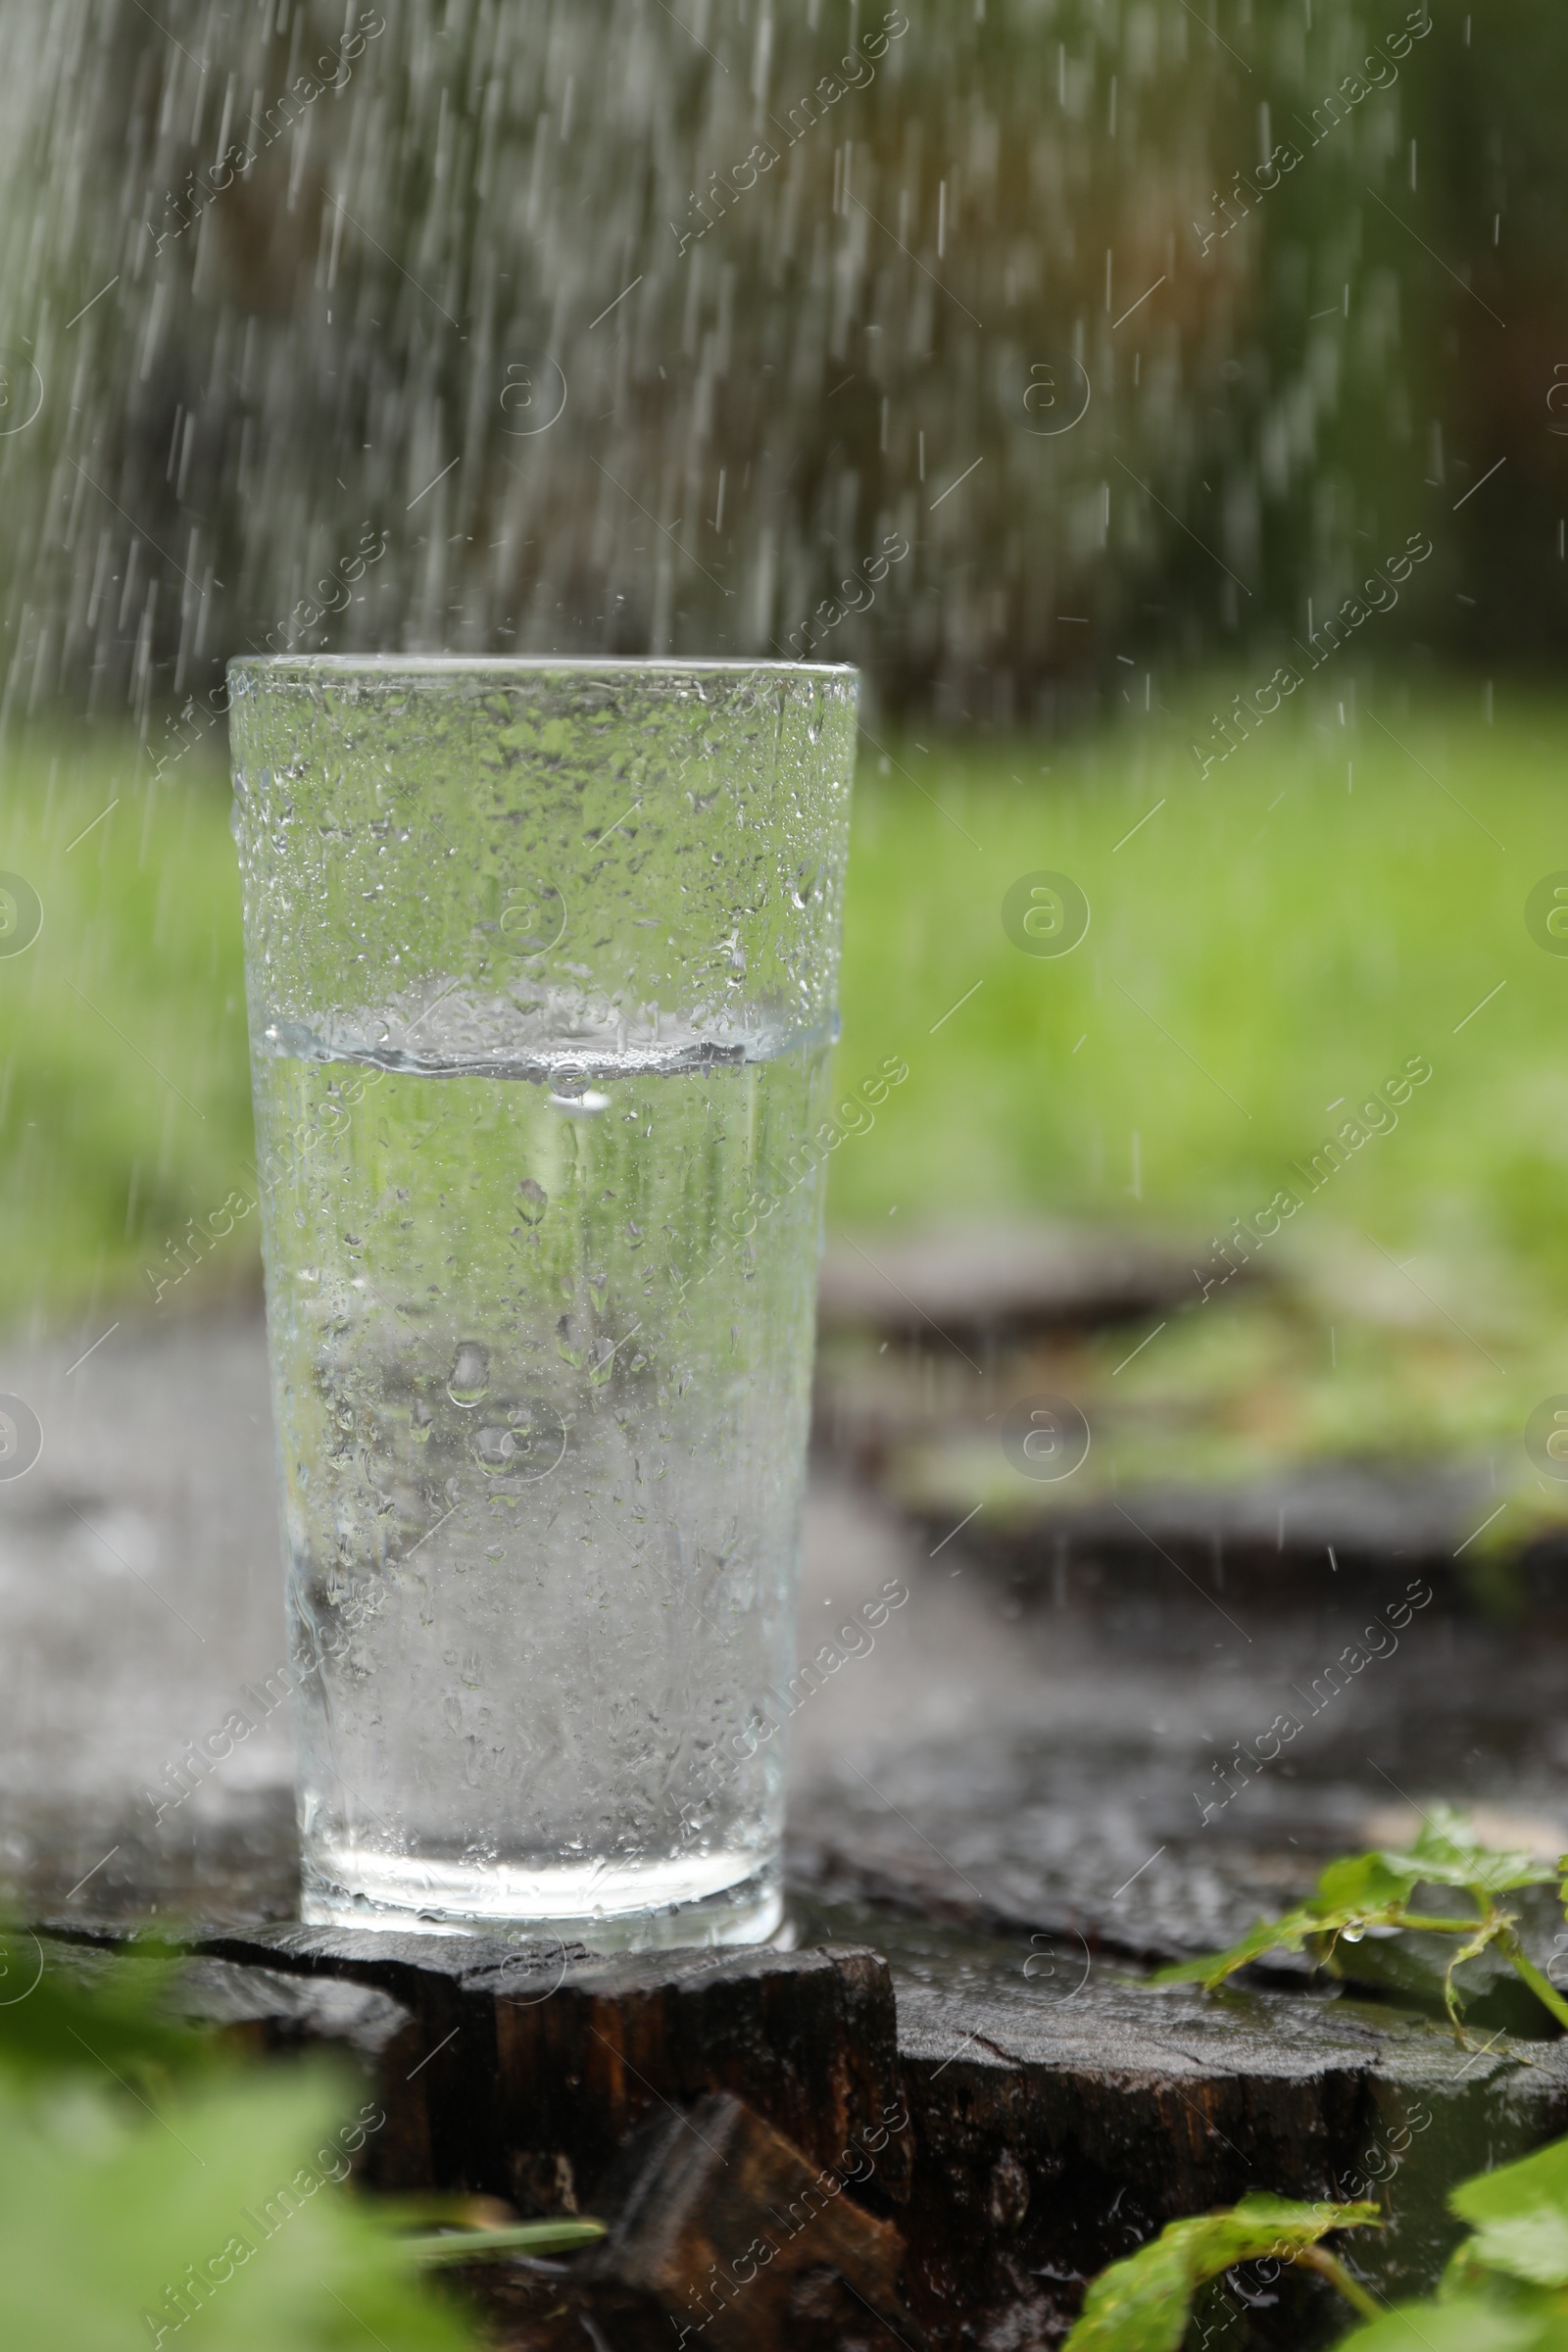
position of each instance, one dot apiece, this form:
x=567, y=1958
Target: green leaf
x=1473, y=2323
x=494, y=2245
x=1519, y=2214
x=1288, y=1934
x=215, y=2221
x=1144, y=2304
x=65, y=2013
x=1528, y=2245
x=1450, y=1853
x=1534, y=2179
x=1503, y=2290
x=1365, y=1883
x=1141, y=2305
x=1357, y=1892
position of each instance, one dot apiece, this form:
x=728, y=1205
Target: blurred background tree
x=793, y=282
x=798, y=280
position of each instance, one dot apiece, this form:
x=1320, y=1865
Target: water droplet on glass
x=526, y=1446
x=570, y=1092
x=468, y=1380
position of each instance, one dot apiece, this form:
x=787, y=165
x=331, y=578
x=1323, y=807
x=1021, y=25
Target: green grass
x=1267, y=944
x=1271, y=945
x=125, y=1100
x=1277, y=938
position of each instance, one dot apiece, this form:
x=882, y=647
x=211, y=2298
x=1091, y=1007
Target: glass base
x=660, y=1907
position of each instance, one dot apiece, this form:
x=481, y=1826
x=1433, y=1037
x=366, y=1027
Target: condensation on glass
x=542, y=961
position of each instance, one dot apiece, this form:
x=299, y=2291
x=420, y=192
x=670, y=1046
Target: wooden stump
x=529, y=2068
x=722, y=2232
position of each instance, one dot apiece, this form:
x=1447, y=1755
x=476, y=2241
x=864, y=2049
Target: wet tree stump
x=1027, y=2128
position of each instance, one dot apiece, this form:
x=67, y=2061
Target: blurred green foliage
x=1267, y=948
x=125, y=1100
x=153, y=2191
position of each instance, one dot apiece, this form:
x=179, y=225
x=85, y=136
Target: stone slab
x=997, y=1279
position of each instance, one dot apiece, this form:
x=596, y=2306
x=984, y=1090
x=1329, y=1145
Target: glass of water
x=542, y=961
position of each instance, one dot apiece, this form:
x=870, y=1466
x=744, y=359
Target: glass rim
x=583, y=665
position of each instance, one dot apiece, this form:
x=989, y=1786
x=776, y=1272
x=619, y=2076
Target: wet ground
x=1046, y=1770
x=1143, y=1751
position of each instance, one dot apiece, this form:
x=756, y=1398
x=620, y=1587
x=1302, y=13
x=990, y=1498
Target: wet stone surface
x=984, y=1282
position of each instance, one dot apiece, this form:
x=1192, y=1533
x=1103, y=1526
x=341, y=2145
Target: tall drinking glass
x=541, y=960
